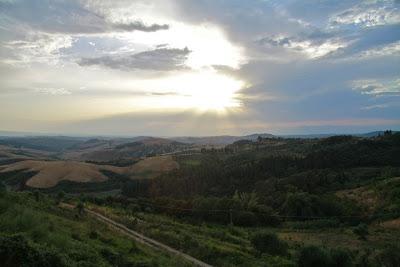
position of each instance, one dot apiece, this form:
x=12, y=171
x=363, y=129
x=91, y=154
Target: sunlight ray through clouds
x=202, y=91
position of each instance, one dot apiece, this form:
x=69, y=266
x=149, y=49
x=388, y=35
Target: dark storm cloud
x=163, y=59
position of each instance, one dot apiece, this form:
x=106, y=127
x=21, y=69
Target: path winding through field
x=140, y=237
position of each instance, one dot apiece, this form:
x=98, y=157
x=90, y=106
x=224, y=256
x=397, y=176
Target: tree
x=387, y=132
x=301, y=204
x=248, y=201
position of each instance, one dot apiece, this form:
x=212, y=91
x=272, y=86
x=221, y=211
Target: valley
x=266, y=201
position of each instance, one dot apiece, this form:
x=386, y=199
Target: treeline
x=282, y=185
x=247, y=209
x=222, y=175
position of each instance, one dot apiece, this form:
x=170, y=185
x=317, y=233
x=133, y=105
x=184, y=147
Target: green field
x=224, y=245
x=39, y=233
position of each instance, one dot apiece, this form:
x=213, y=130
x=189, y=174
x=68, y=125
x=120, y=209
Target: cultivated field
x=153, y=167
x=50, y=173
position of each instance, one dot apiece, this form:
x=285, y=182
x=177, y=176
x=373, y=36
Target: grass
x=215, y=244
x=81, y=240
x=152, y=167
x=190, y=162
x=230, y=245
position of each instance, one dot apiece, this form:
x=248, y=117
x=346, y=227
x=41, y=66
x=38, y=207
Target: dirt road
x=140, y=237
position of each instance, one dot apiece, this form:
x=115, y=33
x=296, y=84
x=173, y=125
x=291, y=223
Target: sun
x=206, y=91
x=202, y=91
x=198, y=85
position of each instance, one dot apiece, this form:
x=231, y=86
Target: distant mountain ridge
x=219, y=140
x=308, y=136
x=60, y=142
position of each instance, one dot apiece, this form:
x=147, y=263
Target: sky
x=199, y=67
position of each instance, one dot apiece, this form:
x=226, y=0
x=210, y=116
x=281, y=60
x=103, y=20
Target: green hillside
x=270, y=202
x=34, y=231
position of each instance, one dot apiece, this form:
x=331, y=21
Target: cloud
x=367, y=15
x=139, y=26
x=164, y=93
x=52, y=91
x=163, y=59
x=37, y=47
x=302, y=67
x=69, y=17
x=371, y=51
x=377, y=87
x=312, y=46
x=377, y=106
x=380, y=51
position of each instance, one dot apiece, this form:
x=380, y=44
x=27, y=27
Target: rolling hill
x=108, y=151
x=47, y=174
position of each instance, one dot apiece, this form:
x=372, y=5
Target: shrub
x=81, y=208
x=389, y=257
x=267, y=216
x=312, y=256
x=361, y=231
x=76, y=236
x=111, y=256
x=16, y=250
x=60, y=197
x=314, y=224
x=363, y=258
x=3, y=189
x=244, y=218
x=134, y=248
x=341, y=258
x=267, y=242
x=36, y=194
x=93, y=234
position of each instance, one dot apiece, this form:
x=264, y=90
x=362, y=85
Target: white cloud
x=208, y=43
x=52, y=91
x=377, y=87
x=385, y=50
x=377, y=106
x=313, y=49
x=158, y=59
x=391, y=49
x=317, y=50
x=138, y=15
x=39, y=48
x=367, y=16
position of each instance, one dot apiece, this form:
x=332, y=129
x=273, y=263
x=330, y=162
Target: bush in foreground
x=267, y=242
x=16, y=250
x=313, y=256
